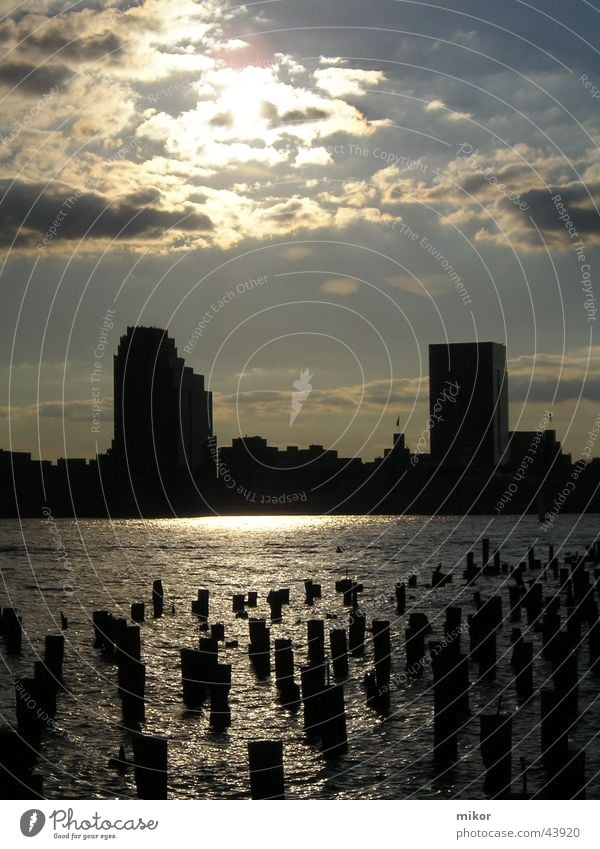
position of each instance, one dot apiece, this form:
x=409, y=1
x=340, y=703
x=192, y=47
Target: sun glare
x=242, y=99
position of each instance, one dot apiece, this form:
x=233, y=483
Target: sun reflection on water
x=258, y=524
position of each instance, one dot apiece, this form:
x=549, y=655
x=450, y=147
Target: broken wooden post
x=275, y=602
x=158, y=598
x=265, y=759
x=522, y=662
x=334, y=737
x=132, y=690
x=485, y=552
x=289, y=691
x=192, y=677
x=382, y=650
x=54, y=650
x=418, y=627
x=316, y=640
x=555, y=725
x=12, y=627
x=400, y=598
x=356, y=631
x=312, y=591
x=217, y=631
x=339, y=652
x=312, y=679
x=47, y=687
x=138, y=611
x=29, y=723
x=471, y=572
x=128, y=643
x=150, y=755
x=201, y=605
x=17, y=760
x=260, y=647
x=220, y=685
x=565, y=675
x=495, y=743
x=453, y=627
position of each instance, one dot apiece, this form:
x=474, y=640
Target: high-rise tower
x=468, y=404
x=163, y=414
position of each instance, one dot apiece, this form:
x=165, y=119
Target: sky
x=302, y=193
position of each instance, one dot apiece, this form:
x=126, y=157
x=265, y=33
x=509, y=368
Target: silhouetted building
x=468, y=404
x=397, y=458
x=536, y=452
x=163, y=414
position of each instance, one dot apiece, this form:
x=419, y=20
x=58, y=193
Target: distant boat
x=339, y=550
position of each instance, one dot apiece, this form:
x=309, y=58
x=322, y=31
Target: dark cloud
x=546, y=390
x=79, y=49
x=577, y=203
x=28, y=210
x=32, y=79
x=311, y=114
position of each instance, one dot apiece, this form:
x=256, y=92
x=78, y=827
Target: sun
x=242, y=98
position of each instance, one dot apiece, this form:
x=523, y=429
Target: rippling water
x=113, y=564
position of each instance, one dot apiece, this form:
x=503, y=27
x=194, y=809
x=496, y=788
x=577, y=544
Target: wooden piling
x=339, y=652
x=495, y=743
x=150, y=755
x=265, y=759
x=158, y=598
x=382, y=651
x=334, y=737
x=316, y=640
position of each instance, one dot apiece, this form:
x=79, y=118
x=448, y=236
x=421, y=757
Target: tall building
x=163, y=414
x=468, y=404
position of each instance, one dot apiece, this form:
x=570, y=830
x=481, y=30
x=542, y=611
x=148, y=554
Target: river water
x=48, y=566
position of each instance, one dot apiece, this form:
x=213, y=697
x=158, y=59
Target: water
x=112, y=564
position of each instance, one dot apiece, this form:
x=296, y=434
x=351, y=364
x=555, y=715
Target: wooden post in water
x=356, y=630
x=382, y=650
x=54, y=651
x=334, y=737
x=400, y=598
x=418, y=627
x=158, y=598
x=220, y=685
x=132, y=690
x=150, y=755
x=316, y=640
x=138, y=611
x=313, y=683
x=496, y=753
x=192, y=677
x=289, y=691
x=339, y=652
x=13, y=630
x=265, y=759
x=260, y=647
x=200, y=607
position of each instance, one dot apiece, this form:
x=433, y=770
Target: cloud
x=74, y=411
x=553, y=378
x=340, y=286
x=31, y=79
x=435, y=105
x=31, y=211
x=344, y=82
